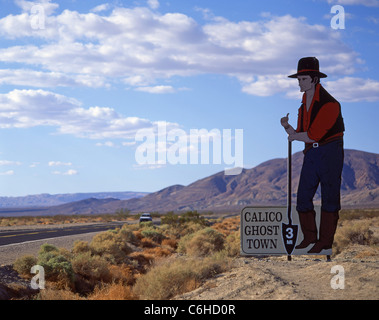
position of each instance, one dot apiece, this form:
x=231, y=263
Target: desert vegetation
x=359, y=227
x=119, y=215
x=146, y=261
x=137, y=261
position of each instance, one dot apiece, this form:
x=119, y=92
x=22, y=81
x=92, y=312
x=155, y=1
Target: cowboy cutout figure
x=320, y=125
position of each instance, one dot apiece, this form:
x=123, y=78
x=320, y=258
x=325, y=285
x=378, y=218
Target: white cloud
x=32, y=78
x=26, y=6
x=70, y=172
x=157, y=89
x=367, y=3
x=101, y=7
x=7, y=173
x=140, y=46
x=109, y=144
x=9, y=163
x=31, y=108
x=34, y=164
x=59, y=163
x=129, y=143
x=346, y=89
x=268, y=85
x=153, y=4
x=350, y=89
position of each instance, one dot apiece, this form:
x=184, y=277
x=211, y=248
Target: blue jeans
x=321, y=165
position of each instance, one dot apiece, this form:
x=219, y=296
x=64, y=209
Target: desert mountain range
x=48, y=200
x=265, y=184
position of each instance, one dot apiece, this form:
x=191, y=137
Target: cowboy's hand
x=292, y=137
x=284, y=121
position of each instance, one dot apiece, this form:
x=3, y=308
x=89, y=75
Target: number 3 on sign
x=289, y=235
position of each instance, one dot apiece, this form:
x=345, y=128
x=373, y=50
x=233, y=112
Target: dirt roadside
x=303, y=278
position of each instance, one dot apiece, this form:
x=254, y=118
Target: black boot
x=328, y=226
x=308, y=227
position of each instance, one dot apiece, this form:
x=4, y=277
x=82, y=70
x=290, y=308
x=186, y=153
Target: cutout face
x=305, y=83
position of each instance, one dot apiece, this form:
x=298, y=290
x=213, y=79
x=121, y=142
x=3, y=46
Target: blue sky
x=79, y=80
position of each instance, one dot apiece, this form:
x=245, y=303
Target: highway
x=20, y=236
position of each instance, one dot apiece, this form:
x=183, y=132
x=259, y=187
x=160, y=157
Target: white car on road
x=145, y=217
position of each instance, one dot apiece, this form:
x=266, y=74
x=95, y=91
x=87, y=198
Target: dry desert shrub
x=80, y=247
x=147, y=243
x=24, y=264
x=143, y=261
x=58, y=294
x=57, y=219
x=127, y=235
x=177, y=231
x=123, y=274
x=56, y=265
x=175, y=276
x=158, y=252
x=357, y=214
x=354, y=232
x=227, y=226
x=233, y=244
x=172, y=243
x=114, y=291
x=111, y=246
x=153, y=234
x=202, y=243
x=91, y=267
x=138, y=256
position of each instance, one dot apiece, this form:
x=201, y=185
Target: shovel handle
x=289, y=182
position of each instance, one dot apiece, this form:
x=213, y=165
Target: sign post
x=289, y=230
x=262, y=232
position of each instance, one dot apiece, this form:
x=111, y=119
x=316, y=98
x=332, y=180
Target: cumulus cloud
x=101, y=7
x=7, y=173
x=345, y=89
x=70, y=172
x=31, y=108
x=59, y=163
x=268, y=85
x=27, y=6
x=140, y=46
x=351, y=89
x=109, y=144
x=34, y=165
x=157, y=89
x=41, y=79
x=9, y=163
x=153, y=4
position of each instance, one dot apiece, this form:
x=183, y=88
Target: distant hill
x=265, y=184
x=48, y=200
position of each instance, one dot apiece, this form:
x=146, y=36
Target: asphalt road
x=19, y=236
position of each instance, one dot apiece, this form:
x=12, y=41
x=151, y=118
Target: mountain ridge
x=263, y=185
x=47, y=200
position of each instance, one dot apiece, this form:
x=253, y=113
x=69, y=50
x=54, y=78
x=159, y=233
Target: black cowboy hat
x=306, y=66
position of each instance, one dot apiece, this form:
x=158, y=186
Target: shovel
x=289, y=231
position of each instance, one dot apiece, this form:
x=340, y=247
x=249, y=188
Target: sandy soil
x=303, y=278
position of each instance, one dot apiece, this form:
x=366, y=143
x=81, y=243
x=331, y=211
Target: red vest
x=325, y=97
